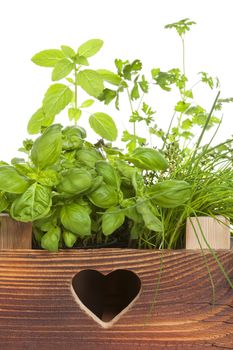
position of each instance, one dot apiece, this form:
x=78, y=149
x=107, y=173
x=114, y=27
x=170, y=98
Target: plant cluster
x=76, y=192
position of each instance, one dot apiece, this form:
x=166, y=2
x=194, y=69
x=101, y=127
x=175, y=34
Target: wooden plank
x=14, y=234
x=216, y=232
x=39, y=311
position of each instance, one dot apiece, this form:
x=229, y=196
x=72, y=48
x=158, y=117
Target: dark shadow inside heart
x=106, y=295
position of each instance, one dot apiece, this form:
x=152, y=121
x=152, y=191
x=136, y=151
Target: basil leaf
x=91, y=82
x=148, y=159
x=75, y=218
x=170, y=193
x=11, y=181
x=105, y=196
x=109, y=76
x=37, y=120
x=48, y=58
x=150, y=218
x=57, y=97
x=69, y=238
x=90, y=47
x=33, y=204
x=112, y=219
x=3, y=202
x=103, y=125
x=50, y=240
x=62, y=69
x=47, y=148
x=48, y=177
x=68, y=51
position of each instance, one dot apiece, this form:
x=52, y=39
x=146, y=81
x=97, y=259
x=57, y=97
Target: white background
x=130, y=29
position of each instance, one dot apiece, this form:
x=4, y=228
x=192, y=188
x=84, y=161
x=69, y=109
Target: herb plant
x=76, y=192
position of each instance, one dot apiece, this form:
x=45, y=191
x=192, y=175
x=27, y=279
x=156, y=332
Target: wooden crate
x=38, y=310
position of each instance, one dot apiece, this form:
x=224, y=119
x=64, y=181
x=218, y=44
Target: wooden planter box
x=150, y=299
x=38, y=309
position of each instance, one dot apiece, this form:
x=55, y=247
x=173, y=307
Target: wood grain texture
x=14, y=234
x=216, y=231
x=38, y=310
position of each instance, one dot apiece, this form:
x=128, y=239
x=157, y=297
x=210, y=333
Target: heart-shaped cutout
x=106, y=297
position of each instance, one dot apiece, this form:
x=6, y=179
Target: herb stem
x=75, y=90
x=132, y=110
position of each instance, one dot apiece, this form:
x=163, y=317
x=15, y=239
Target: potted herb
x=79, y=194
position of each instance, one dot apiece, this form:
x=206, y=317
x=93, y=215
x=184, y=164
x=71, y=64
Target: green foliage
x=78, y=193
x=47, y=148
x=48, y=58
x=33, y=204
x=76, y=218
x=91, y=82
x=57, y=97
x=103, y=125
x=181, y=26
x=11, y=181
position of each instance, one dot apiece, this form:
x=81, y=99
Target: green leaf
x=74, y=114
x=182, y=26
x=50, y=240
x=105, y=196
x=182, y=106
x=68, y=51
x=188, y=93
x=33, y=204
x=109, y=174
x=90, y=47
x=62, y=69
x=3, y=202
x=170, y=193
x=107, y=96
x=11, y=181
x=47, y=148
x=109, y=76
x=69, y=238
x=186, y=124
x=103, y=125
x=75, y=181
x=87, y=103
x=48, y=58
x=48, y=177
x=37, y=120
x=57, y=97
x=135, y=92
x=76, y=218
x=81, y=60
x=148, y=159
x=112, y=219
x=91, y=82
x=149, y=215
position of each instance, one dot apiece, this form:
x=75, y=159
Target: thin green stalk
x=206, y=263
x=203, y=131
x=215, y=256
x=132, y=110
x=183, y=54
x=168, y=131
x=75, y=90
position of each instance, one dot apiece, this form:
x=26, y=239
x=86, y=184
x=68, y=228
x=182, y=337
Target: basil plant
x=74, y=191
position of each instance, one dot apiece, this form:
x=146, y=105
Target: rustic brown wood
x=216, y=231
x=14, y=234
x=38, y=310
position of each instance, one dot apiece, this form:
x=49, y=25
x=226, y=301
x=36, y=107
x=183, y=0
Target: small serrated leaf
x=62, y=69
x=91, y=82
x=68, y=51
x=48, y=58
x=90, y=47
x=57, y=97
